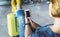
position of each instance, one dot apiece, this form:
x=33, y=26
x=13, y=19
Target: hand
x=31, y=23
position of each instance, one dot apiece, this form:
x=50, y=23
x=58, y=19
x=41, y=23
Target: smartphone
x=27, y=13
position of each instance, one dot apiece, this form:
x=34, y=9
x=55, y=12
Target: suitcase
x=13, y=28
x=21, y=20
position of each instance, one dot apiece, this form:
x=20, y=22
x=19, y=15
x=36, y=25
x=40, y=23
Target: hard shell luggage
x=13, y=28
x=21, y=20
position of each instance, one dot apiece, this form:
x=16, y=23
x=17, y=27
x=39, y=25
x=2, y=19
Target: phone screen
x=27, y=14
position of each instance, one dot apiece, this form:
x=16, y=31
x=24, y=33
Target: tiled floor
x=39, y=14
x=4, y=10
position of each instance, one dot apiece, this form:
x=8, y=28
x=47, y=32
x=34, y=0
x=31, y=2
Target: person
x=51, y=30
x=15, y=4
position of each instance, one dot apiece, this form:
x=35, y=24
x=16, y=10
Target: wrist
x=27, y=24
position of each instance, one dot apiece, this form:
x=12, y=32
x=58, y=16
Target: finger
x=30, y=20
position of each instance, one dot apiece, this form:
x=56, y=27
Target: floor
x=39, y=14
